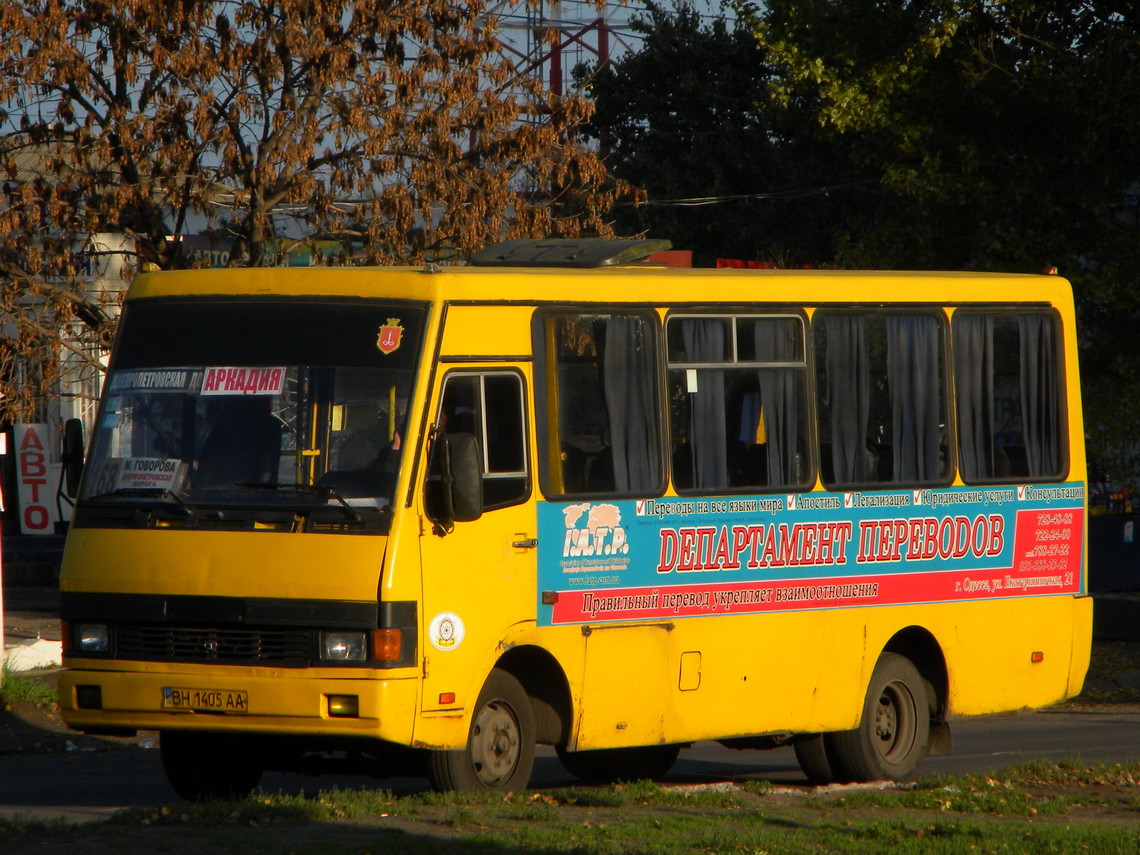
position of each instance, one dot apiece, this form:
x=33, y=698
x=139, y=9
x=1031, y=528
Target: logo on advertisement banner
x=390, y=336
x=593, y=530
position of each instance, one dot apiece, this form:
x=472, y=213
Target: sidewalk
x=31, y=637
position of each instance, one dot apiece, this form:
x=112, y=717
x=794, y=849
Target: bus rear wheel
x=811, y=754
x=205, y=766
x=500, y=744
x=892, y=735
x=625, y=764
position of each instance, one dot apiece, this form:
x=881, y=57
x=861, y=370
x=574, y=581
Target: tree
x=688, y=117
x=1001, y=136
x=397, y=127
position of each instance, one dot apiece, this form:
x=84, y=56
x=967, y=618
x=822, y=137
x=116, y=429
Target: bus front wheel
x=500, y=744
x=204, y=766
x=892, y=735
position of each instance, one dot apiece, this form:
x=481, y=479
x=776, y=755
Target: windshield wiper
x=161, y=495
x=322, y=491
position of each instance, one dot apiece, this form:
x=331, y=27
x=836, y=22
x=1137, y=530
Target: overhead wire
x=701, y=201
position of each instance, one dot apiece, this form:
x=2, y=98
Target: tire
x=205, y=766
x=811, y=754
x=894, y=730
x=620, y=764
x=500, y=744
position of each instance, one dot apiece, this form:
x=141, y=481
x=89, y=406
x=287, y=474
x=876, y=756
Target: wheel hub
x=894, y=721
x=495, y=743
x=886, y=720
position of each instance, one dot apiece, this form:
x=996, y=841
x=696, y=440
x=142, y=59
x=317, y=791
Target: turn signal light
x=387, y=645
x=1037, y=656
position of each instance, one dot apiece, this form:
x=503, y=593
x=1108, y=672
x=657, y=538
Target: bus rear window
x=1008, y=370
x=882, y=396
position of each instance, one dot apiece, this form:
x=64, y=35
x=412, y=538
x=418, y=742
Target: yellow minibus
x=381, y=519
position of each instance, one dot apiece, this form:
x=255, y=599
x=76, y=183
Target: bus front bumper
x=287, y=704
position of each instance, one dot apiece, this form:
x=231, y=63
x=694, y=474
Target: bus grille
x=281, y=647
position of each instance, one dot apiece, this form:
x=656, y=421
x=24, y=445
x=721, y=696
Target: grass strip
x=1039, y=807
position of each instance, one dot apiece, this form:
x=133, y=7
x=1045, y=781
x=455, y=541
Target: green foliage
x=998, y=136
x=688, y=119
x=26, y=687
x=1032, y=808
x=882, y=134
x=1036, y=789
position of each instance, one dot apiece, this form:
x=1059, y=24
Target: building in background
x=105, y=263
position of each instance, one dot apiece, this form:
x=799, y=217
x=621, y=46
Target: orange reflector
x=387, y=644
x=1037, y=656
x=446, y=698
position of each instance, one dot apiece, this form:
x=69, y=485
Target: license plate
x=209, y=700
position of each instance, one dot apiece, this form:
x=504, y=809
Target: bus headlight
x=92, y=638
x=344, y=646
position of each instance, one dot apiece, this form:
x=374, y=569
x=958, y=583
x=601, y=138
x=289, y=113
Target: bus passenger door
x=479, y=576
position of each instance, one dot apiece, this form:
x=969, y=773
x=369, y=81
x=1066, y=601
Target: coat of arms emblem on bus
x=390, y=336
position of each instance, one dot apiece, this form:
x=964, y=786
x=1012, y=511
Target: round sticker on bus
x=446, y=631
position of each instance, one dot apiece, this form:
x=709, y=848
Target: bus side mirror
x=466, y=477
x=455, y=481
x=72, y=456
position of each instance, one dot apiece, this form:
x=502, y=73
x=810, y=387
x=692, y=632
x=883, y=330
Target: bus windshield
x=245, y=440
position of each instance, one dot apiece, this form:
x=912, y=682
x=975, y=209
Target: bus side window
x=882, y=399
x=1009, y=395
x=738, y=406
x=601, y=423
x=491, y=406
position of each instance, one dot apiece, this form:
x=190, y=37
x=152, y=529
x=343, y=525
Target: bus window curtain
x=913, y=378
x=974, y=375
x=780, y=397
x=974, y=379
x=1040, y=402
x=704, y=341
x=848, y=368
x=629, y=369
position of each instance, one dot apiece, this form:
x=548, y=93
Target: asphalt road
x=86, y=785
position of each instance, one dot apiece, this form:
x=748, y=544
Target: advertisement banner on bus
x=693, y=556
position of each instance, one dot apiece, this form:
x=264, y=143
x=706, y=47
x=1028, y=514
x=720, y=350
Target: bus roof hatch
x=558, y=252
